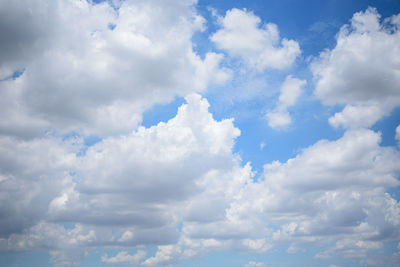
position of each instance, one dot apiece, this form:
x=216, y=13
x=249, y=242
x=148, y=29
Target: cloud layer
x=75, y=68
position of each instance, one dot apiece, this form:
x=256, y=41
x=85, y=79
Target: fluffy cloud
x=361, y=72
x=31, y=174
x=66, y=247
x=290, y=91
x=136, y=189
x=177, y=185
x=334, y=191
x=151, y=169
x=255, y=264
x=260, y=47
x=94, y=68
x=144, y=184
x=124, y=256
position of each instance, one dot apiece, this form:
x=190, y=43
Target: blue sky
x=200, y=133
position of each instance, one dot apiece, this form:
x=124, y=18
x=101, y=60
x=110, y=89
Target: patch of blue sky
x=88, y=141
x=387, y=126
x=69, y=226
x=111, y=26
x=15, y=75
x=161, y=112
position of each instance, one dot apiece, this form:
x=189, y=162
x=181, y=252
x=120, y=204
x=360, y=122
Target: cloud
x=143, y=184
x=357, y=116
x=259, y=46
x=290, y=91
x=109, y=75
x=136, y=189
x=334, y=191
x=124, y=256
x=32, y=173
x=254, y=264
x=66, y=247
x=361, y=71
x=177, y=185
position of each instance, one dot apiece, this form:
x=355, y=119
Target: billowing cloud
x=290, y=91
x=124, y=256
x=179, y=185
x=31, y=174
x=259, y=46
x=361, y=71
x=93, y=68
x=145, y=184
x=334, y=191
x=254, y=264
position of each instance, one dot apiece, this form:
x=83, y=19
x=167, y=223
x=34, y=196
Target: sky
x=199, y=133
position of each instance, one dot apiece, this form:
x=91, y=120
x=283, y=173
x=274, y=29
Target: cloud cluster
x=95, y=68
x=361, y=71
x=331, y=193
x=143, y=184
x=124, y=256
x=259, y=46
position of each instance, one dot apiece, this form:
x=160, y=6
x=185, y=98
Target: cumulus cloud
x=31, y=174
x=177, y=185
x=361, y=72
x=259, y=46
x=357, y=116
x=290, y=91
x=397, y=136
x=94, y=68
x=254, y=264
x=334, y=191
x=124, y=256
x=144, y=184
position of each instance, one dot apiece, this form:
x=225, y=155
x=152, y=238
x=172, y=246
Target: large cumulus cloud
x=362, y=70
x=179, y=185
x=94, y=68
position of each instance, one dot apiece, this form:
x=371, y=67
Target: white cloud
x=278, y=118
x=108, y=76
x=66, y=247
x=142, y=184
x=357, y=116
x=260, y=47
x=290, y=91
x=183, y=171
x=124, y=256
x=164, y=255
x=139, y=186
x=32, y=173
x=254, y=264
x=334, y=191
x=397, y=136
x=360, y=72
